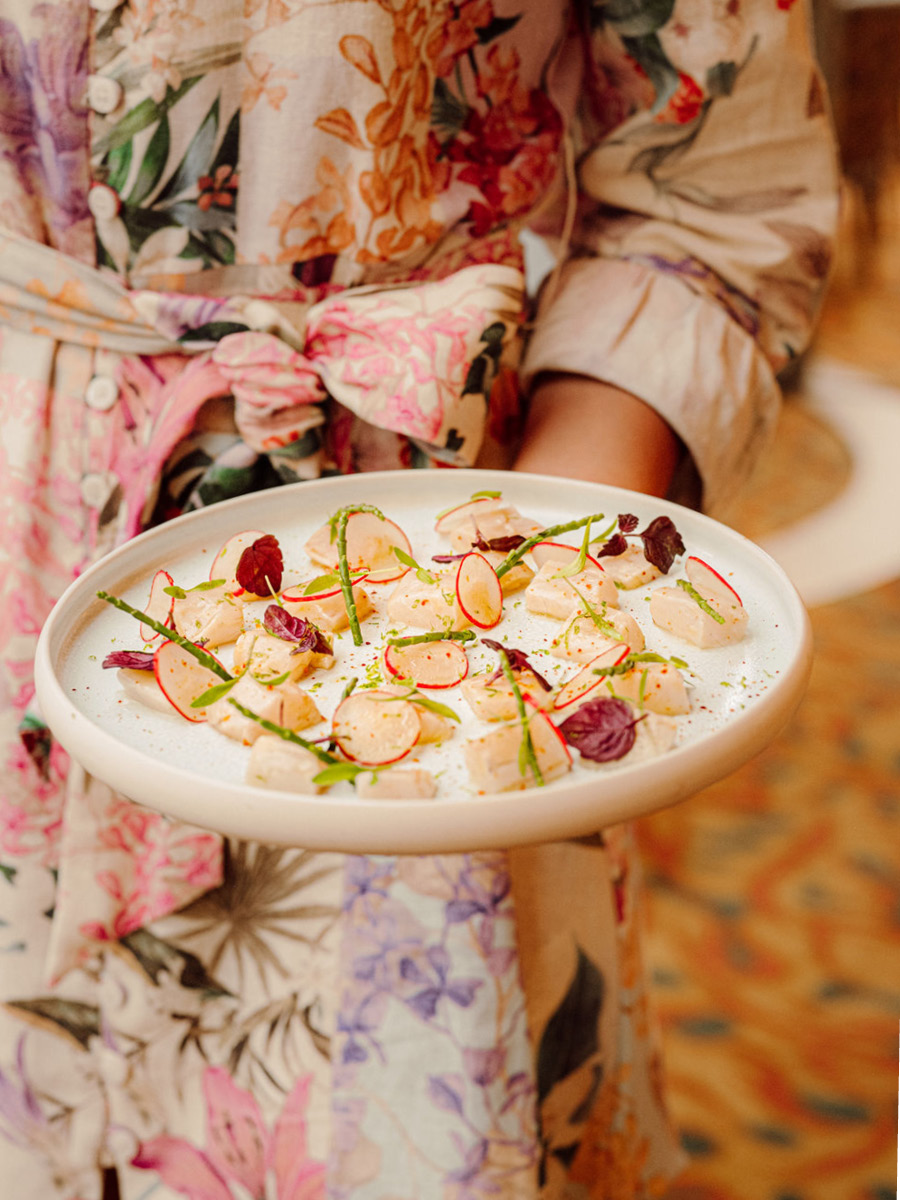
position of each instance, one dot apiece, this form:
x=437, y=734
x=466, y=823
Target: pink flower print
x=242, y=1159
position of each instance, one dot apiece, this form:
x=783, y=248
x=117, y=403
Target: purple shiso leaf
x=517, y=660
x=510, y=541
x=615, y=545
x=602, y=730
x=628, y=522
x=662, y=543
x=291, y=628
x=132, y=660
x=261, y=566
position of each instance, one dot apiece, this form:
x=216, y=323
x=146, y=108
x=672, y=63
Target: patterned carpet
x=775, y=905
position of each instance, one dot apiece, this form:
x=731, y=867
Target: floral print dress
x=247, y=243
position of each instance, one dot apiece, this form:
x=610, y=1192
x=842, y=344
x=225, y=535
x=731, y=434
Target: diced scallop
x=424, y=605
x=631, y=569
x=491, y=697
x=397, y=783
x=551, y=594
x=328, y=610
x=517, y=577
x=656, y=687
x=485, y=526
x=209, y=616
x=287, y=705
x=494, y=760
x=282, y=765
x=142, y=687
x=676, y=611
x=273, y=657
x=583, y=638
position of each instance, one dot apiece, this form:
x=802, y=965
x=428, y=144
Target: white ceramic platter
x=742, y=695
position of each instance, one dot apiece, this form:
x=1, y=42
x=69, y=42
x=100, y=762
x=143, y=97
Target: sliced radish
x=297, y=593
x=439, y=664
x=451, y=517
x=553, y=754
x=182, y=679
x=374, y=728
x=159, y=605
x=586, y=680
x=225, y=564
x=559, y=552
x=478, y=591
x=370, y=547
x=708, y=582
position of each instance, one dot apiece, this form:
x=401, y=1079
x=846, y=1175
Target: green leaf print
x=158, y=959
x=448, y=112
x=142, y=116
x=571, y=1036
x=637, y=18
x=152, y=165
x=79, y=1021
x=118, y=164
x=197, y=158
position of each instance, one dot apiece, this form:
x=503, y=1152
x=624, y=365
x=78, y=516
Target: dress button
x=104, y=95
x=101, y=393
x=96, y=489
x=103, y=202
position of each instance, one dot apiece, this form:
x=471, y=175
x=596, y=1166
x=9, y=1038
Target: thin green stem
x=551, y=531
x=200, y=654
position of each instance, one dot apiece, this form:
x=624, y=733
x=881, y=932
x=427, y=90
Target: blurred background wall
x=774, y=897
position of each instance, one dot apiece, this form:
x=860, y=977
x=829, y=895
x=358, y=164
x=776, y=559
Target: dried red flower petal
x=261, y=566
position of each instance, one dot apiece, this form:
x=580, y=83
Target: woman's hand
x=581, y=428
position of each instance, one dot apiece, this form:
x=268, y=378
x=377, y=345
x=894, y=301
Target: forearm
x=581, y=428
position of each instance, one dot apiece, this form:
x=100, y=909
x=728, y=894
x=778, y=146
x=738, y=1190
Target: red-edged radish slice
x=553, y=755
x=297, y=594
x=586, y=680
x=374, y=728
x=225, y=564
x=451, y=517
x=370, y=547
x=559, y=552
x=159, y=605
x=478, y=591
x=440, y=664
x=182, y=678
x=709, y=583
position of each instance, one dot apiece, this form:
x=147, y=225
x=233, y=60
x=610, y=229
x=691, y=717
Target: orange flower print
x=217, y=189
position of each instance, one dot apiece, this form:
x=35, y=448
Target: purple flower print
x=22, y=1120
x=241, y=1154
x=437, y=986
x=43, y=120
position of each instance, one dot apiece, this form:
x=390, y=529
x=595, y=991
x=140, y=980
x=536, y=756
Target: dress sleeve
x=707, y=197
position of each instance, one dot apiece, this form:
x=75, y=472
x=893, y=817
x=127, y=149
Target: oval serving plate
x=742, y=695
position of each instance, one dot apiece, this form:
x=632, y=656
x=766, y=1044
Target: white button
x=104, y=95
x=105, y=5
x=96, y=490
x=101, y=393
x=103, y=202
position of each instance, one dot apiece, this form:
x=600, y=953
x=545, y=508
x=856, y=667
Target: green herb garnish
x=527, y=755
x=698, y=599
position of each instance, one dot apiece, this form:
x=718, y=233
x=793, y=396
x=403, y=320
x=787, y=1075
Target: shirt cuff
x=648, y=333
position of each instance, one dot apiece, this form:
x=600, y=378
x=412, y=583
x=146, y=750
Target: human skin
x=581, y=428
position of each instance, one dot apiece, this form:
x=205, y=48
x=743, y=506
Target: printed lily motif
x=242, y=1160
